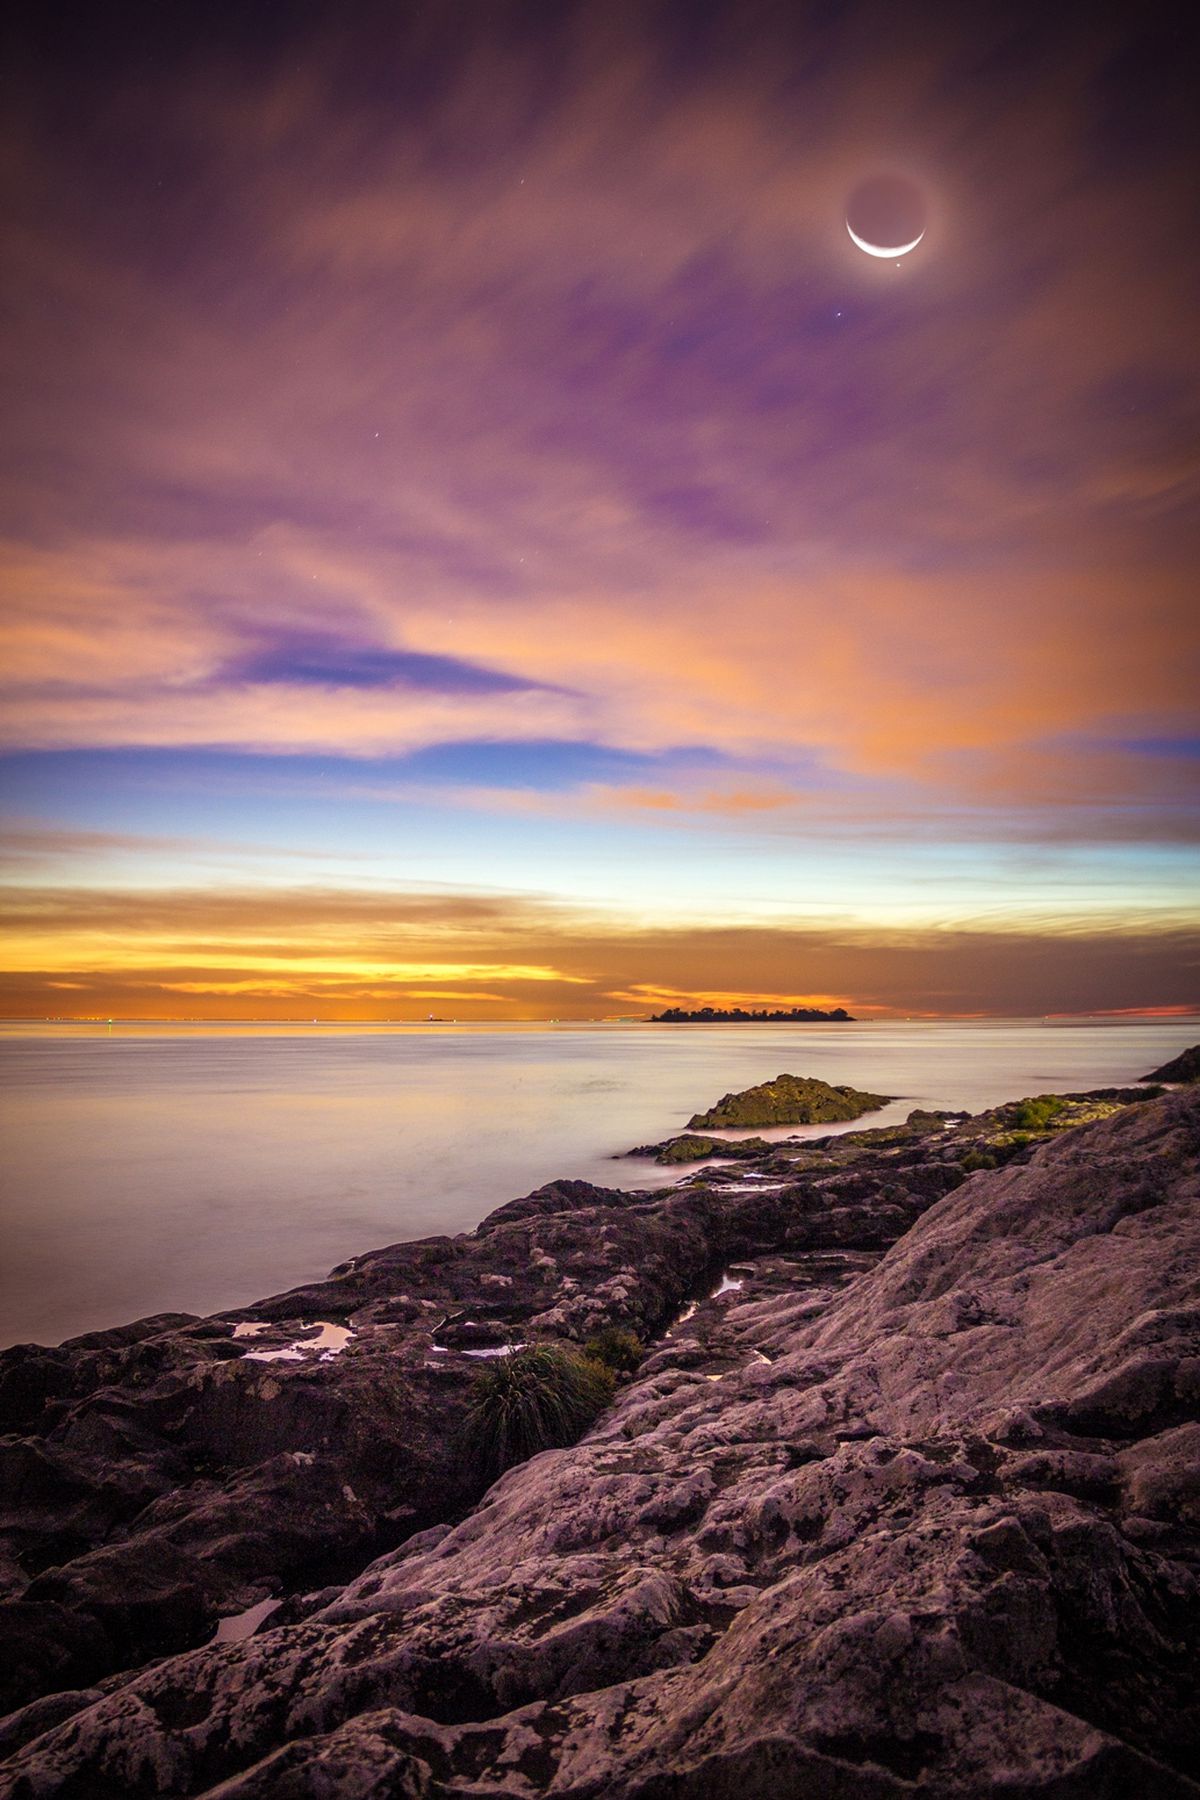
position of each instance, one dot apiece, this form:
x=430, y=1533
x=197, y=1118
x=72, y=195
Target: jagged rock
x=788, y=1100
x=1184, y=1067
x=555, y=1197
x=861, y=1526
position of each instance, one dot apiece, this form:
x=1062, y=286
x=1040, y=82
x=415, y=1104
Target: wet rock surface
x=903, y=1498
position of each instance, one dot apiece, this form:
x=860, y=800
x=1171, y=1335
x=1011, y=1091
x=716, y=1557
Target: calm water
x=194, y=1168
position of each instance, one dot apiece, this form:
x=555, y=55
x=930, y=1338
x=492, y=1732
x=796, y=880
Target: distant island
x=714, y=1015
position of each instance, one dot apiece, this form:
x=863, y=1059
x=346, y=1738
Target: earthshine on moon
x=886, y=216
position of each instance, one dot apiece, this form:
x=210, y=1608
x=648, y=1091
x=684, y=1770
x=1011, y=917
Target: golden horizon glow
x=220, y=954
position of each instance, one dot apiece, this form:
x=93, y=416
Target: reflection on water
x=149, y=1169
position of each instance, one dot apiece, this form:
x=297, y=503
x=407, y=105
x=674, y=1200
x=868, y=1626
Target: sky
x=479, y=538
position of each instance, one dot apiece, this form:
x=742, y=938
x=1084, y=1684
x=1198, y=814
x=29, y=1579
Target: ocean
x=191, y=1168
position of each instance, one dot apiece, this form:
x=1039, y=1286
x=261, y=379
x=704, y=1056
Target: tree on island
x=713, y=1015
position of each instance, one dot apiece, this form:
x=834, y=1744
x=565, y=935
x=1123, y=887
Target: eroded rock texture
x=868, y=1522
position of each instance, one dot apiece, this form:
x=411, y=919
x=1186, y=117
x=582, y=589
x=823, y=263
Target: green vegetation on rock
x=788, y=1100
x=1039, y=1113
x=684, y=1149
x=616, y=1349
x=539, y=1398
x=689, y=1148
x=1021, y=1123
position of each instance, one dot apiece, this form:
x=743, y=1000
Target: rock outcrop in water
x=788, y=1100
x=868, y=1521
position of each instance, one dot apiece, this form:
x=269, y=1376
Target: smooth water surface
x=191, y=1168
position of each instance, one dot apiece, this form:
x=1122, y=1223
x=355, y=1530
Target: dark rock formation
x=788, y=1100
x=867, y=1521
x=1184, y=1067
x=688, y=1148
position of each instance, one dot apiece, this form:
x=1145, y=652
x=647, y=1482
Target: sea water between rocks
x=190, y=1168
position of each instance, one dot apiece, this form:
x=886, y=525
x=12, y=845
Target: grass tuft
x=539, y=1398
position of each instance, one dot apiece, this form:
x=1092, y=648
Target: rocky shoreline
x=903, y=1497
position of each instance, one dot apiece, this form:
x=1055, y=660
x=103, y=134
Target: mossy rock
x=685, y=1149
x=788, y=1100
x=1043, y=1114
x=1037, y=1114
x=616, y=1349
x=689, y=1148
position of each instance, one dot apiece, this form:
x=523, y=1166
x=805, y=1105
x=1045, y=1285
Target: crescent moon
x=877, y=250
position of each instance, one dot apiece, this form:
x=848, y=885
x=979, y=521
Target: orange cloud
x=731, y=803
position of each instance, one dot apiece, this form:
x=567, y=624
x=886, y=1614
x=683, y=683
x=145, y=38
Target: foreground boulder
x=788, y=1100
x=863, y=1526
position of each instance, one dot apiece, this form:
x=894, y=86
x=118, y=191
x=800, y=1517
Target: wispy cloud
x=330, y=663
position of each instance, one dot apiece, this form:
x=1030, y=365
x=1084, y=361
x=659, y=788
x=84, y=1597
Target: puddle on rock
x=236, y=1626
x=329, y=1342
